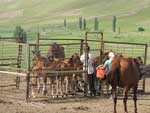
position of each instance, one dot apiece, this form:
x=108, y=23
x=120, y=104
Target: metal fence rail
x=9, y=58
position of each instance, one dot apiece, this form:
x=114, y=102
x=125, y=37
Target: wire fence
x=11, y=57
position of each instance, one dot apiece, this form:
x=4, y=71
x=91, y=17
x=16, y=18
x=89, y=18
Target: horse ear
x=33, y=51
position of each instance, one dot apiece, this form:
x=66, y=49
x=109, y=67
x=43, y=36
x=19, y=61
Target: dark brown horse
x=56, y=51
x=75, y=79
x=125, y=73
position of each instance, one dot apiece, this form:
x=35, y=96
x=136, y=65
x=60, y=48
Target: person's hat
x=111, y=55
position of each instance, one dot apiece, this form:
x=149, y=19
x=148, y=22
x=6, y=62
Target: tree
x=20, y=35
x=141, y=29
x=114, y=23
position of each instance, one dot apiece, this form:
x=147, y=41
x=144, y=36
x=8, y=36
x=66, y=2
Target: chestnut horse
x=125, y=73
x=40, y=63
x=75, y=64
x=66, y=80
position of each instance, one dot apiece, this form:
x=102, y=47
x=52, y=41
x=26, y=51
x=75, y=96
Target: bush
x=141, y=29
x=20, y=34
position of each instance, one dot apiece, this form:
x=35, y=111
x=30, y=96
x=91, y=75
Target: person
x=90, y=71
x=107, y=63
x=106, y=66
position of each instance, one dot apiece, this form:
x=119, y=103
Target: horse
x=40, y=63
x=55, y=51
x=69, y=81
x=40, y=68
x=125, y=73
x=64, y=81
x=75, y=64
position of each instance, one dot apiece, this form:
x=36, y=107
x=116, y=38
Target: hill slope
x=33, y=12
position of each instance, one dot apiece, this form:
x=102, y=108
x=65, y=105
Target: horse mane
x=114, y=72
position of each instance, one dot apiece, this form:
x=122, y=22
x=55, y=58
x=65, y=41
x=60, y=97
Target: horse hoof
x=67, y=95
x=38, y=92
x=53, y=97
x=63, y=96
x=135, y=111
x=44, y=92
x=33, y=96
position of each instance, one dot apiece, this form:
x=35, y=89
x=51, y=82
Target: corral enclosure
x=19, y=62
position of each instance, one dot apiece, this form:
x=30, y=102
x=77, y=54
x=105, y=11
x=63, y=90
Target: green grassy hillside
x=47, y=17
x=34, y=12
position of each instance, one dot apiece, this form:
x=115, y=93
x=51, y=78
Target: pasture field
x=12, y=100
x=47, y=18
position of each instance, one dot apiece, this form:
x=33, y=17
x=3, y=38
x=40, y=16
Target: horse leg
x=125, y=96
x=135, y=98
x=32, y=86
x=57, y=86
x=38, y=84
x=66, y=85
x=73, y=81
x=44, y=85
x=114, y=95
x=61, y=85
x=52, y=88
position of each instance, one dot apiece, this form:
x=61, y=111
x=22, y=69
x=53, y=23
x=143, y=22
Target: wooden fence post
x=84, y=24
x=96, y=24
x=114, y=23
x=65, y=23
x=80, y=23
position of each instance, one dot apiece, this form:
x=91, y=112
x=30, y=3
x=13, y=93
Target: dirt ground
x=12, y=100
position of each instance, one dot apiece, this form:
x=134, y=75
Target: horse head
x=36, y=54
x=138, y=61
x=105, y=57
x=75, y=61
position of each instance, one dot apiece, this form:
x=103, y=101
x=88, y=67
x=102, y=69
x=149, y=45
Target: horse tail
x=114, y=73
x=138, y=61
x=117, y=73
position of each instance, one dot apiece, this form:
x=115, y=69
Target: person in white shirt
x=90, y=71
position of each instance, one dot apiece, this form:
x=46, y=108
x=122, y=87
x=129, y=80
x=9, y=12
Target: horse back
x=56, y=50
x=129, y=71
x=124, y=71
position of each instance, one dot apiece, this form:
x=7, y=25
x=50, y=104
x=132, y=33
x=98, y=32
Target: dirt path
x=12, y=100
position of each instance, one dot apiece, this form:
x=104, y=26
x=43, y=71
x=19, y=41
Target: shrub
x=141, y=29
x=20, y=34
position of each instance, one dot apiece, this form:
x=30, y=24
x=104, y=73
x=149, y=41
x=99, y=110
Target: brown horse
x=75, y=64
x=40, y=63
x=64, y=81
x=125, y=73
